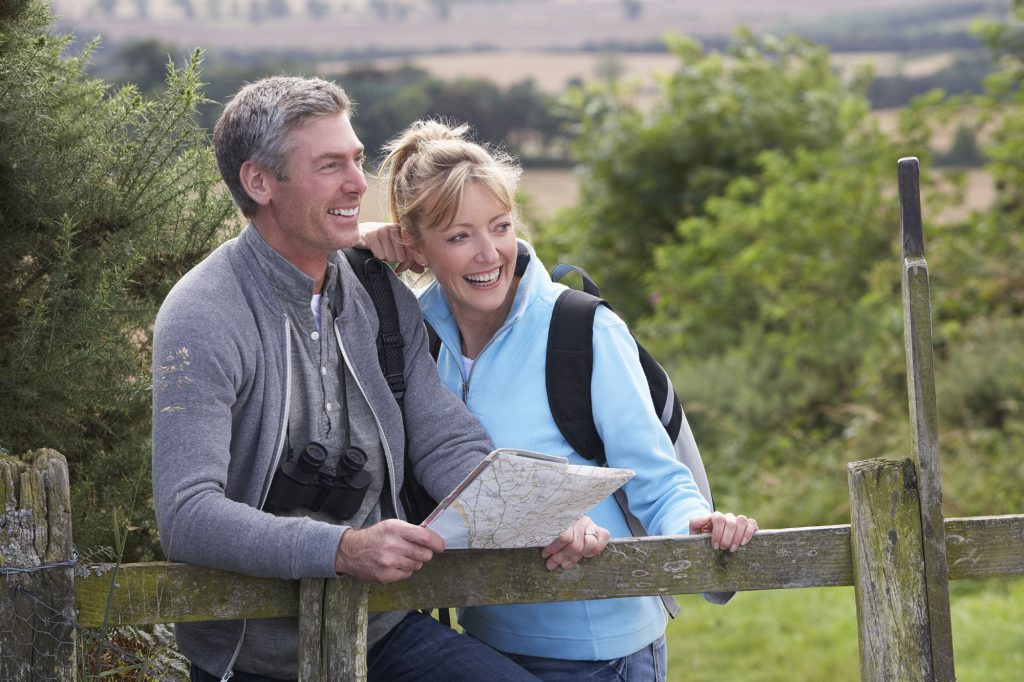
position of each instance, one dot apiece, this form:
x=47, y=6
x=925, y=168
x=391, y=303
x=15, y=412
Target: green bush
x=108, y=198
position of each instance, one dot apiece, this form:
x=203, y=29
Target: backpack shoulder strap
x=372, y=273
x=433, y=340
x=559, y=272
x=568, y=370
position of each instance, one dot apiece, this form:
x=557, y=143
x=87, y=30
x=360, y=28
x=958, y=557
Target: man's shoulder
x=211, y=291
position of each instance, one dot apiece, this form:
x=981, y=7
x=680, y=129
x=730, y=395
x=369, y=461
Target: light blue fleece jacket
x=506, y=391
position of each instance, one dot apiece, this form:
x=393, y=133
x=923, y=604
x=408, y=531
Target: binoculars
x=310, y=481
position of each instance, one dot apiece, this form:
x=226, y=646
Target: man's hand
x=385, y=552
x=581, y=539
x=728, y=531
x=384, y=240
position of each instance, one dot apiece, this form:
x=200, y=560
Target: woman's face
x=474, y=258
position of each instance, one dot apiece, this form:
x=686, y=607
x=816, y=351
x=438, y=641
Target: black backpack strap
x=433, y=340
x=568, y=370
x=372, y=273
x=559, y=272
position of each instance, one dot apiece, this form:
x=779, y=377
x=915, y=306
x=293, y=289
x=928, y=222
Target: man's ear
x=256, y=182
x=412, y=248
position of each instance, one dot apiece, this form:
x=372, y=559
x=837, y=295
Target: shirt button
x=323, y=371
x=315, y=336
x=327, y=407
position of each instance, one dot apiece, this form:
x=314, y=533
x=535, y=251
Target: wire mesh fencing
x=35, y=639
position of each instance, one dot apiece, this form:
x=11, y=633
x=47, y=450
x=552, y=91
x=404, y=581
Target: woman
x=453, y=203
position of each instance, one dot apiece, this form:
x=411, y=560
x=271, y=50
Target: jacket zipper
x=380, y=427
x=458, y=362
x=229, y=672
x=287, y=408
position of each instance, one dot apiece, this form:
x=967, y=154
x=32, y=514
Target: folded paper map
x=517, y=498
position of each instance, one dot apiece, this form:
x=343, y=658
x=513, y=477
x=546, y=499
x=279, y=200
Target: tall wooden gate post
x=917, y=335
x=332, y=630
x=888, y=572
x=37, y=582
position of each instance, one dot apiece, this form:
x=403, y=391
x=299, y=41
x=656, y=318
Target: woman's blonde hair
x=428, y=167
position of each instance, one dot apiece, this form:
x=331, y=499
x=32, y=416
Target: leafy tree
x=644, y=170
x=964, y=150
x=755, y=236
x=145, y=65
x=107, y=199
x=775, y=283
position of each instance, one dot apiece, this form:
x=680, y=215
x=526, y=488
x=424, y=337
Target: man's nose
x=355, y=181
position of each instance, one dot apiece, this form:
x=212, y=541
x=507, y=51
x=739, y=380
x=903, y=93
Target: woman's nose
x=487, y=253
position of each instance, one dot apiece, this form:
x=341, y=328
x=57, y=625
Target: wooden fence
x=898, y=552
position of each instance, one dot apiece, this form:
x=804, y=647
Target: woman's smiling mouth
x=485, y=279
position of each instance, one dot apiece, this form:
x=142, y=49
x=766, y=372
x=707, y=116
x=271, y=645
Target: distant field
x=546, y=189
x=523, y=24
x=551, y=71
x=549, y=189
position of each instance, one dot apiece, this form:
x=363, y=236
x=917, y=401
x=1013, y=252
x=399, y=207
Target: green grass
x=811, y=634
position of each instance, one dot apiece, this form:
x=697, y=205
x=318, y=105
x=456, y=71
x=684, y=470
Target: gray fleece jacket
x=220, y=401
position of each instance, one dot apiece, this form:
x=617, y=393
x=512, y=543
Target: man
x=268, y=396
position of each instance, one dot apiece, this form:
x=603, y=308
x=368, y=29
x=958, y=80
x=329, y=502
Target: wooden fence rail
x=146, y=594
x=898, y=553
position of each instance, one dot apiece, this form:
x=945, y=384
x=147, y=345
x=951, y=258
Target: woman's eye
x=457, y=238
x=504, y=227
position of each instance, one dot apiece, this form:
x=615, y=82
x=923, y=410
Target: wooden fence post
x=37, y=618
x=888, y=572
x=332, y=630
x=917, y=334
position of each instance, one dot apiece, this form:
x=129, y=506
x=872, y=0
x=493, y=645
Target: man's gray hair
x=256, y=122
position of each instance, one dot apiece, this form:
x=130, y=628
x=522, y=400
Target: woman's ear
x=255, y=181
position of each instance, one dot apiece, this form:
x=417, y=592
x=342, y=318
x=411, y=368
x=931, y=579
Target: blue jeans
x=646, y=665
x=420, y=648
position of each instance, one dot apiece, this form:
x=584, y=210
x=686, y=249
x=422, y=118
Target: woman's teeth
x=485, y=278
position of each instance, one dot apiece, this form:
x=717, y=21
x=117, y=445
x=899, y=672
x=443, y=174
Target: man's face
x=316, y=210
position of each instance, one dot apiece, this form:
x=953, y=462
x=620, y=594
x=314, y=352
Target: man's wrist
x=340, y=565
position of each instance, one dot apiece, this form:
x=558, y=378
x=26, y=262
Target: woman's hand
x=384, y=240
x=582, y=539
x=728, y=531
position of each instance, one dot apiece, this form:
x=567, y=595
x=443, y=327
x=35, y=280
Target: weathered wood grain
x=647, y=566
x=346, y=617
x=985, y=546
x=917, y=334
x=888, y=558
x=332, y=630
x=775, y=559
x=311, y=626
x=161, y=592
x=37, y=620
